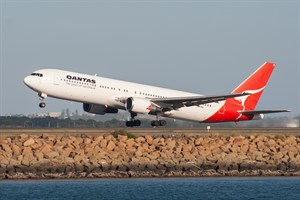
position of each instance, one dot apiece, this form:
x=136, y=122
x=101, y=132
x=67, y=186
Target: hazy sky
x=206, y=47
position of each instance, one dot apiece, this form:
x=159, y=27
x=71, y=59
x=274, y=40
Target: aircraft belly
x=196, y=113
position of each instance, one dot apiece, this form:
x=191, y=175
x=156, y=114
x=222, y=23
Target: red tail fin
x=255, y=85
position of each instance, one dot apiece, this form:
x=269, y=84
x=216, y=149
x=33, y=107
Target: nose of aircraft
x=28, y=81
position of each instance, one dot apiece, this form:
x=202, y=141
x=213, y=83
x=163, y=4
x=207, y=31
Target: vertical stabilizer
x=255, y=85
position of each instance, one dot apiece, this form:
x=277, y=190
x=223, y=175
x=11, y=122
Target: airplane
x=101, y=95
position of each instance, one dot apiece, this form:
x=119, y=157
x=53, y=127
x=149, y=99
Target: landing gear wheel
x=158, y=123
x=155, y=123
x=42, y=105
x=129, y=124
x=137, y=122
x=162, y=122
x=133, y=123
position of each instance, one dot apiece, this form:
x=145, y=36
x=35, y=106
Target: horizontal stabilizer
x=255, y=112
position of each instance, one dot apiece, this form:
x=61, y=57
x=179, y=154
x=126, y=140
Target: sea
x=153, y=188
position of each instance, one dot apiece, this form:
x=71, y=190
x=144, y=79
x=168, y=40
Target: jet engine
x=98, y=109
x=139, y=105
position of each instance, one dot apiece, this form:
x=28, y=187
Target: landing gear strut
x=133, y=122
x=42, y=99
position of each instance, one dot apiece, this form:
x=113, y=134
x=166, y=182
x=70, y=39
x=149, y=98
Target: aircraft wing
x=255, y=112
x=174, y=103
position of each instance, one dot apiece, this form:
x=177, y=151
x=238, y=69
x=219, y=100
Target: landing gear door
x=56, y=79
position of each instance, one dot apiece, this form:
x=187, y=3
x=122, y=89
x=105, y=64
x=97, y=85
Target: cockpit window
x=37, y=74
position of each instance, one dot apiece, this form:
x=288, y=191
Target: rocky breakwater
x=55, y=156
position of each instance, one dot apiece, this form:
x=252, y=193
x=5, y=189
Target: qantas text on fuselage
x=76, y=78
x=101, y=95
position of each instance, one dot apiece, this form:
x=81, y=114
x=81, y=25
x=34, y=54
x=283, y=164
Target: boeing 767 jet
x=101, y=95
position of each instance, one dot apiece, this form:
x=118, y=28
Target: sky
x=205, y=47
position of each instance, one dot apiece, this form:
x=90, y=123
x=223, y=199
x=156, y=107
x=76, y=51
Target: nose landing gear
x=42, y=96
x=42, y=105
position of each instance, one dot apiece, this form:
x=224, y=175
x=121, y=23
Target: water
x=156, y=188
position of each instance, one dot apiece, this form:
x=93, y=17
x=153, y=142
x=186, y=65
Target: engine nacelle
x=139, y=105
x=98, y=109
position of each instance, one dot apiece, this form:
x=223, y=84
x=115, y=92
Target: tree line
x=51, y=122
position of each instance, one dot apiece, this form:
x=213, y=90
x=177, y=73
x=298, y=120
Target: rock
x=130, y=142
x=292, y=140
x=110, y=146
x=4, y=161
x=181, y=155
x=282, y=167
x=14, y=162
x=51, y=155
x=198, y=141
x=26, y=151
x=98, y=138
x=226, y=148
x=216, y=152
x=138, y=153
x=36, y=145
x=109, y=137
x=187, y=148
x=45, y=148
x=10, y=170
x=39, y=155
x=6, y=148
x=149, y=139
x=294, y=166
x=69, y=169
x=122, y=138
x=26, y=161
x=153, y=155
x=140, y=140
x=103, y=143
x=87, y=140
x=221, y=165
x=23, y=136
x=170, y=144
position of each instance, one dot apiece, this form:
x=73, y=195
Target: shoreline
x=203, y=178
x=150, y=175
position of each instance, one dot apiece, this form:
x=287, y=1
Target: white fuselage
x=109, y=92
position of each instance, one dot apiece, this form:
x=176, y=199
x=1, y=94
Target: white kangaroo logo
x=243, y=99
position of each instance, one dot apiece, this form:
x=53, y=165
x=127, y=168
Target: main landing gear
x=133, y=122
x=42, y=96
x=158, y=122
